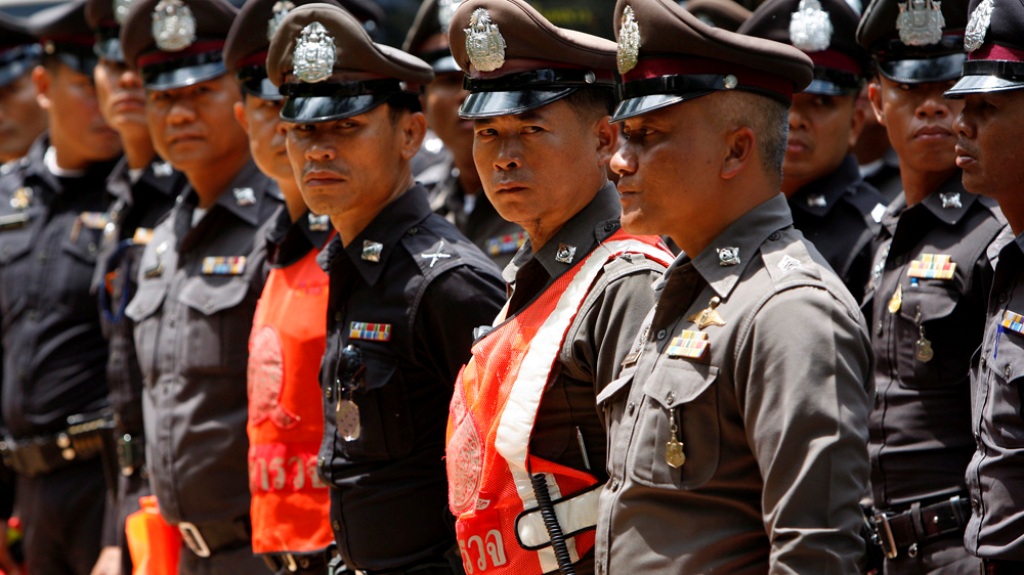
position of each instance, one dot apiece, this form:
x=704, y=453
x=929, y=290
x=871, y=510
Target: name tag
x=223, y=265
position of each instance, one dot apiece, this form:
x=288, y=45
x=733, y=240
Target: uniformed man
x=832, y=205
x=290, y=503
x=200, y=277
x=454, y=185
x=931, y=275
x=21, y=118
x=406, y=289
x=525, y=437
x=747, y=392
x=144, y=188
x=992, y=93
x=53, y=210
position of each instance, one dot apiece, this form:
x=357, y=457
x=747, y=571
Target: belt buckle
x=883, y=535
x=194, y=539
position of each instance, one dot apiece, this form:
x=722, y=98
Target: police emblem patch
x=277, y=14
x=266, y=378
x=445, y=9
x=315, y=54
x=484, y=43
x=121, y=10
x=977, y=26
x=174, y=26
x=920, y=22
x=810, y=28
x=628, y=52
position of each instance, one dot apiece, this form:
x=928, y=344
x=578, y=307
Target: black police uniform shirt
x=839, y=214
x=997, y=414
x=927, y=307
x=407, y=292
x=288, y=241
x=198, y=287
x=54, y=352
x=497, y=237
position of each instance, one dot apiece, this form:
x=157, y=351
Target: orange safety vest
x=499, y=526
x=290, y=503
x=154, y=545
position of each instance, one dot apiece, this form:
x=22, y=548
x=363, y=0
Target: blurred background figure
x=21, y=118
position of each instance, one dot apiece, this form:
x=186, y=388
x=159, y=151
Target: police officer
x=406, y=289
x=200, y=277
x=832, y=205
x=747, y=391
x=931, y=276
x=290, y=503
x=53, y=207
x=21, y=118
x=992, y=93
x=144, y=188
x=455, y=188
x=540, y=99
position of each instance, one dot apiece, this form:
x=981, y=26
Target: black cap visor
x=524, y=91
x=492, y=104
x=81, y=61
x=18, y=61
x=643, y=104
x=109, y=49
x=324, y=102
x=183, y=72
x=254, y=82
x=923, y=69
x=833, y=82
x=982, y=76
x=642, y=96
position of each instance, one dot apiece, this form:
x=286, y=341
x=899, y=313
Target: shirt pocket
x=1003, y=408
x=936, y=300
x=612, y=406
x=386, y=426
x=15, y=246
x=219, y=319
x=142, y=309
x=683, y=394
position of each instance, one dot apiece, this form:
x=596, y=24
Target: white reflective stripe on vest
x=574, y=515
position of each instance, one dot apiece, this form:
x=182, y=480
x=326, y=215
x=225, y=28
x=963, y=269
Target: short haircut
x=766, y=117
x=591, y=103
x=401, y=103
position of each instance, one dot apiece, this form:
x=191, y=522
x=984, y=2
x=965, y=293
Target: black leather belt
x=1003, y=567
x=296, y=562
x=205, y=539
x=919, y=524
x=84, y=439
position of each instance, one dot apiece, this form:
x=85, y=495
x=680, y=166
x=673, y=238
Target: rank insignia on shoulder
x=788, y=262
x=932, y=266
x=223, y=265
x=437, y=254
x=690, y=344
x=1012, y=321
x=142, y=236
x=507, y=244
x=244, y=196
x=369, y=331
x=372, y=251
x=22, y=198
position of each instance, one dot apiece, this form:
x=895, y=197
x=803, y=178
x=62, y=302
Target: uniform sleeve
x=803, y=375
x=607, y=325
x=454, y=305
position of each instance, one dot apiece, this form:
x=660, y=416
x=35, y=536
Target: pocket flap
x=677, y=381
x=613, y=389
x=211, y=294
x=148, y=299
x=378, y=372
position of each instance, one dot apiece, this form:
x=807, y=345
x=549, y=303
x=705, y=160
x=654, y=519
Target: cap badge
x=314, y=54
x=121, y=10
x=920, y=22
x=445, y=9
x=484, y=43
x=810, y=28
x=628, y=52
x=277, y=14
x=977, y=26
x=174, y=26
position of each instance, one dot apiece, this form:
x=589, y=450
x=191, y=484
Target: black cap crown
x=64, y=33
x=19, y=49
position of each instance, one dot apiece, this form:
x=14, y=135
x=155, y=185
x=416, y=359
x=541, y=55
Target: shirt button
x=983, y=362
x=975, y=504
x=631, y=408
x=662, y=334
x=1002, y=297
x=879, y=328
x=413, y=231
x=338, y=316
x=335, y=525
x=1007, y=372
x=774, y=236
x=670, y=398
x=42, y=256
x=615, y=484
x=898, y=260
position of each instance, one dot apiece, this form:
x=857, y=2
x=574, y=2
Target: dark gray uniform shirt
x=840, y=215
x=921, y=417
x=198, y=288
x=407, y=293
x=994, y=476
x=771, y=416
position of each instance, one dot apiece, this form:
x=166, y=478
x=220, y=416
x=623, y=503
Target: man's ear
x=875, y=95
x=414, y=129
x=739, y=144
x=856, y=124
x=240, y=116
x=43, y=80
x=607, y=139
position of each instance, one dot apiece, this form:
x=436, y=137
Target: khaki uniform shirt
x=771, y=416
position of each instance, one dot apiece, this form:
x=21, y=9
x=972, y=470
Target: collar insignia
x=951, y=200
x=162, y=170
x=278, y=12
x=920, y=22
x=728, y=256
x=810, y=28
x=318, y=223
x=244, y=196
x=174, y=26
x=817, y=201
x=121, y=10
x=628, y=52
x=977, y=26
x=371, y=251
x=484, y=42
x=315, y=54
x=565, y=253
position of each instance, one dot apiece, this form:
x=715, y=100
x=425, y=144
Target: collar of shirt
x=387, y=229
x=590, y=226
x=951, y=187
x=831, y=188
x=264, y=189
x=290, y=241
x=746, y=235
x=36, y=168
